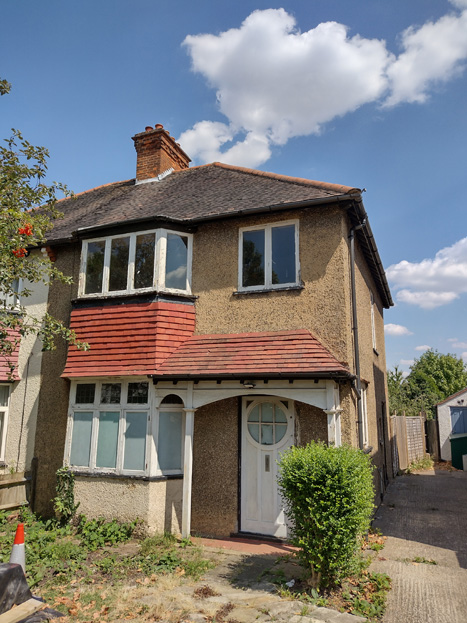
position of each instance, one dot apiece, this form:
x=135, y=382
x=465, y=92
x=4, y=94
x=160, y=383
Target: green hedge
x=328, y=494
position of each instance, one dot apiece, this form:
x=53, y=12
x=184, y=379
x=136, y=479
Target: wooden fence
x=408, y=439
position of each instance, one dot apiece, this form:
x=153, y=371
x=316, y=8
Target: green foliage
x=368, y=598
x=425, y=463
x=64, y=502
x=97, y=533
x=328, y=493
x=24, y=227
x=432, y=378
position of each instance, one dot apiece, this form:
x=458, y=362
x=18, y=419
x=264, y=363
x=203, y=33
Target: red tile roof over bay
x=127, y=338
x=6, y=373
x=272, y=354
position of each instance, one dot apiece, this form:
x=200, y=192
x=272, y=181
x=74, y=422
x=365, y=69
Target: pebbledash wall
x=323, y=306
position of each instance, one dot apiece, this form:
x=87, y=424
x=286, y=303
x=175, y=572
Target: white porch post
x=187, y=472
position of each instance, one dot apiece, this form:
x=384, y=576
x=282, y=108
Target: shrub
x=328, y=494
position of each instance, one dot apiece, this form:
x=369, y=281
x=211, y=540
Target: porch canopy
x=272, y=354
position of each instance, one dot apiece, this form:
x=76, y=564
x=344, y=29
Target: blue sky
x=366, y=93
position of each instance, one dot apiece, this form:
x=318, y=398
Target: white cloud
x=433, y=53
x=457, y=344
x=422, y=348
x=274, y=82
x=406, y=362
x=464, y=356
x=433, y=281
x=396, y=329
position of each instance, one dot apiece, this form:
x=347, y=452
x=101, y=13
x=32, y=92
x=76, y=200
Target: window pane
x=266, y=434
x=458, y=420
x=4, y=393
x=85, y=393
x=110, y=393
x=254, y=415
x=107, y=439
x=280, y=415
x=254, y=431
x=283, y=254
x=253, y=258
x=169, y=448
x=119, y=252
x=280, y=432
x=94, y=267
x=176, y=262
x=266, y=412
x=144, y=261
x=138, y=393
x=81, y=439
x=135, y=440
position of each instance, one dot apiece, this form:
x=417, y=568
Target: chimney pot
x=148, y=128
x=159, y=126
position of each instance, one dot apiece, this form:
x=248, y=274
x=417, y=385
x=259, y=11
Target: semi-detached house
x=221, y=305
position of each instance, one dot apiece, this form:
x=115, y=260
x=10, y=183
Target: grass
x=86, y=571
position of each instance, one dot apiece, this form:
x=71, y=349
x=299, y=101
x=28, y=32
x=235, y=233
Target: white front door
x=267, y=430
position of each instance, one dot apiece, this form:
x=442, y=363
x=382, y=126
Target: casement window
x=108, y=427
x=268, y=256
x=11, y=301
x=137, y=262
x=4, y=403
x=373, y=327
x=111, y=429
x=458, y=420
x=170, y=435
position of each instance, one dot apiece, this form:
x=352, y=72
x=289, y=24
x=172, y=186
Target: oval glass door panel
x=267, y=424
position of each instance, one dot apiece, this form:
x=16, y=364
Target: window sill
x=81, y=473
x=300, y=286
x=153, y=296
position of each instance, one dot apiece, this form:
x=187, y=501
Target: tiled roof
x=131, y=338
x=200, y=193
x=6, y=361
x=273, y=354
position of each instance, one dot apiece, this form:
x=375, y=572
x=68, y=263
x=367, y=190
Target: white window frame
x=12, y=301
x=373, y=326
x=171, y=408
x=5, y=412
x=123, y=407
x=268, y=285
x=160, y=254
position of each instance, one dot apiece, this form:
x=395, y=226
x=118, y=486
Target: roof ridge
x=289, y=179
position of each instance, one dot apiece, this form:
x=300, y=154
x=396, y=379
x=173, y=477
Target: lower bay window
x=111, y=430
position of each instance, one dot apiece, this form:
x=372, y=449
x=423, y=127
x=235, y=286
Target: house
x=20, y=376
x=230, y=313
x=452, y=427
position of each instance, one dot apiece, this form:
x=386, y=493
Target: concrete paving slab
x=424, y=517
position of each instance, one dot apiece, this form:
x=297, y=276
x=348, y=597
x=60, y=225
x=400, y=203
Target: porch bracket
x=187, y=472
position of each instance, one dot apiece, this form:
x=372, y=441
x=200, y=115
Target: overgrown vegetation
x=420, y=464
x=432, y=378
x=82, y=570
x=64, y=502
x=328, y=493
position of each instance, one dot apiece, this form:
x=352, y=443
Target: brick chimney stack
x=157, y=151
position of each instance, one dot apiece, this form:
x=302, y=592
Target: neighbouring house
x=231, y=313
x=452, y=427
x=20, y=376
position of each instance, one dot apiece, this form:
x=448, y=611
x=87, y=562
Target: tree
x=27, y=211
x=432, y=378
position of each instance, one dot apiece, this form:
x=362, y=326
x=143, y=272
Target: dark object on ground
x=14, y=590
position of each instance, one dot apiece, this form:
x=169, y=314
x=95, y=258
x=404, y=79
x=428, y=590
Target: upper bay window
x=268, y=256
x=142, y=261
